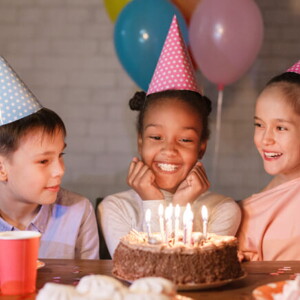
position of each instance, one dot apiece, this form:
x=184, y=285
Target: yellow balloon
x=114, y=7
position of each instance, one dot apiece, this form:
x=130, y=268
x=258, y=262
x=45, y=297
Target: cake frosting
x=205, y=260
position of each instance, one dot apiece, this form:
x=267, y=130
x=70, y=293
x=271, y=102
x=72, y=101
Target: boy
x=32, y=141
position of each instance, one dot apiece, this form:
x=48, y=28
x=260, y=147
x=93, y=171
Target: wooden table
x=259, y=273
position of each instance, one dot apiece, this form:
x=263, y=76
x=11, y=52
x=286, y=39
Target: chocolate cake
x=204, y=261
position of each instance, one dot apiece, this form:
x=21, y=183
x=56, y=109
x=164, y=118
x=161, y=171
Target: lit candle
x=148, y=222
x=161, y=221
x=204, y=213
x=168, y=218
x=188, y=224
x=190, y=228
x=176, y=229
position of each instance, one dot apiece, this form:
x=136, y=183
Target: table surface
x=258, y=273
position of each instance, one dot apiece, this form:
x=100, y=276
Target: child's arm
x=225, y=217
x=142, y=180
x=195, y=184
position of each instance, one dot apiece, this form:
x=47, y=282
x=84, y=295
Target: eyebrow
x=157, y=125
x=279, y=120
x=50, y=152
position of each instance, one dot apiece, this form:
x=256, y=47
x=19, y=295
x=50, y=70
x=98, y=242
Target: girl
x=270, y=226
x=172, y=131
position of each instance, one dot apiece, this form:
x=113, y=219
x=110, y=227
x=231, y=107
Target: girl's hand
x=195, y=184
x=141, y=178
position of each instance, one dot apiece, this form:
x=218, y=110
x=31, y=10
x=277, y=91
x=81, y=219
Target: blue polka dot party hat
x=16, y=100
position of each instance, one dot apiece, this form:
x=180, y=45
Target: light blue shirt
x=68, y=227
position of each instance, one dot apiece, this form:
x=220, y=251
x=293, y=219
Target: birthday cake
x=204, y=260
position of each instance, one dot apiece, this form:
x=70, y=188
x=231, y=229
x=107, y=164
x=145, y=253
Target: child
x=270, y=229
x=32, y=141
x=172, y=136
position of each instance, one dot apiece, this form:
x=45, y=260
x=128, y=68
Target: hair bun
x=137, y=101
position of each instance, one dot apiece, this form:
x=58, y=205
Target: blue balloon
x=139, y=34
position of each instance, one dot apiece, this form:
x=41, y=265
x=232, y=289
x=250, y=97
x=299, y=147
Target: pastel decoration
x=174, y=70
x=225, y=38
x=295, y=68
x=16, y=100
x=139, y=34
x=114, y=7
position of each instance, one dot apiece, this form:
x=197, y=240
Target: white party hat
x=16, y=100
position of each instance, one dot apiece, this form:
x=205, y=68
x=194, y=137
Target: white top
x=121, y=212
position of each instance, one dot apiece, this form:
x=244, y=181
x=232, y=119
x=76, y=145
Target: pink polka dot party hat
x=16, y=100
x=295, y=68
x=174, y=70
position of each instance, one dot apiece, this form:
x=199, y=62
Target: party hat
x=16, y=100
x=295, y=68
x=174, y=70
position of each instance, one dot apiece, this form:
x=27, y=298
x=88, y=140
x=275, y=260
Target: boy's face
x=35, y=170
x=277, y=134
x=171, y=142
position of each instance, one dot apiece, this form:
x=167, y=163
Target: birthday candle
x=148, y=222
x=204, y=214
x=176, y=229
x=161, y=221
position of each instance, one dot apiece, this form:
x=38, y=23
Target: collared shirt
x=68, y=227
x=121, y=212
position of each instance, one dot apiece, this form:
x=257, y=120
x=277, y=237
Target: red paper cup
x=18, y=261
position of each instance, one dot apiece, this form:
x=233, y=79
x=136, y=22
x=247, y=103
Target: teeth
x=272, y=154
x=167, y=167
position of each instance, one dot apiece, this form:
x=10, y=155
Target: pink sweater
x=270, y=228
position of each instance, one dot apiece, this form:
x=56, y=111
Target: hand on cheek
x=142, y=180
x=195, y=184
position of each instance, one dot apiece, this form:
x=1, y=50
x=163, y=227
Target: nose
x=58, y=169
x=169, y=148
x=268, y=137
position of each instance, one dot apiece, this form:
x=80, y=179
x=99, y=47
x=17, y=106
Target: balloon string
x=218, y=130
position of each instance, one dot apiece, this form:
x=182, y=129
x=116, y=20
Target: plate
x=264, y=292
x=39, y=264
x=198, y=286
x=204, y=286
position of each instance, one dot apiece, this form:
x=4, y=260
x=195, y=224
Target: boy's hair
x=289, y=83
x=11, y=133
x=199, y=103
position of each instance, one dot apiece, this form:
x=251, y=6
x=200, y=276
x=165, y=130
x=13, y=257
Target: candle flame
x=204, y=213
x=148, y=215
x=168, y=213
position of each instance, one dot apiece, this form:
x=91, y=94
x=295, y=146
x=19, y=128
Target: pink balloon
x=225, y=37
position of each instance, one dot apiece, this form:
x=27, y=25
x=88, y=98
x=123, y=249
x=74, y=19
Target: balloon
x=139, y=35
x=114, y=7
x=225, y=37
x=187, y=7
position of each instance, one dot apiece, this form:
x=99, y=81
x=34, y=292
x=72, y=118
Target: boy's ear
x=3, y=173
x=202, y=149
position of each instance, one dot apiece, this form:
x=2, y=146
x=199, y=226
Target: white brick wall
x=63, y=50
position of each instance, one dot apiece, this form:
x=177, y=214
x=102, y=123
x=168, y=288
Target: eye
x=62, y=154
x=155, y=137
x=186, y=140
x=281, y=128
x=256, y=124
x=44, y=161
